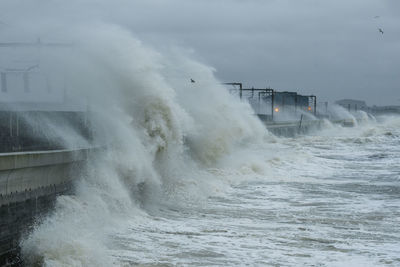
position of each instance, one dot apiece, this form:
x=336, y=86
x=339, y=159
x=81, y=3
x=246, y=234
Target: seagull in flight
x=192, y=81
x=380, y=30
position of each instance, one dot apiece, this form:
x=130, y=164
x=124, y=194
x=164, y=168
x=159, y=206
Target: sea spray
x=159, y=133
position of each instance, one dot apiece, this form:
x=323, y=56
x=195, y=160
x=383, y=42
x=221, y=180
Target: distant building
x=352, y=104
x=385, y=110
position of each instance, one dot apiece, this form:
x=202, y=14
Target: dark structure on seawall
x=267, y=101
x=284, y=113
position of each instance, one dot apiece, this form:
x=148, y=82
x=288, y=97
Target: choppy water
x=329, y=199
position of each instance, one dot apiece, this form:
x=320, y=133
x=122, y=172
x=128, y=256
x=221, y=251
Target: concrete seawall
x=292, y=128
x=29, y=185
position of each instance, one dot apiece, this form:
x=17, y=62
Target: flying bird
x=377, y=17
x=192, y=81
x=380, y=30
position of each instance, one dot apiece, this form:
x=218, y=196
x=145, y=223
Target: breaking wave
x=163, y=134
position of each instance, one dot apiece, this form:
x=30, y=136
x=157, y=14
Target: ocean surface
x=330, y=198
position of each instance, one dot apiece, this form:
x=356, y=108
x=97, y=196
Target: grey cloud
x=329, y=48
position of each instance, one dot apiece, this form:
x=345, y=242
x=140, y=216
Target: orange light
x=309, y=108
x=276, y=109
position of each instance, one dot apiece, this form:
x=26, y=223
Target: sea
x=329, y=198
x=187, y=175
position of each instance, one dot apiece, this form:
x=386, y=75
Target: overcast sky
x=329, y=48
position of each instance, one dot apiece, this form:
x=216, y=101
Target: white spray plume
x=159, y=128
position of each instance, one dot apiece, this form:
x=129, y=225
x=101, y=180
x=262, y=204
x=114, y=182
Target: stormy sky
x=332, y=49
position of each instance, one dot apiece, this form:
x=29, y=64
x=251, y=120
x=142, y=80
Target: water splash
x=162, y=133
